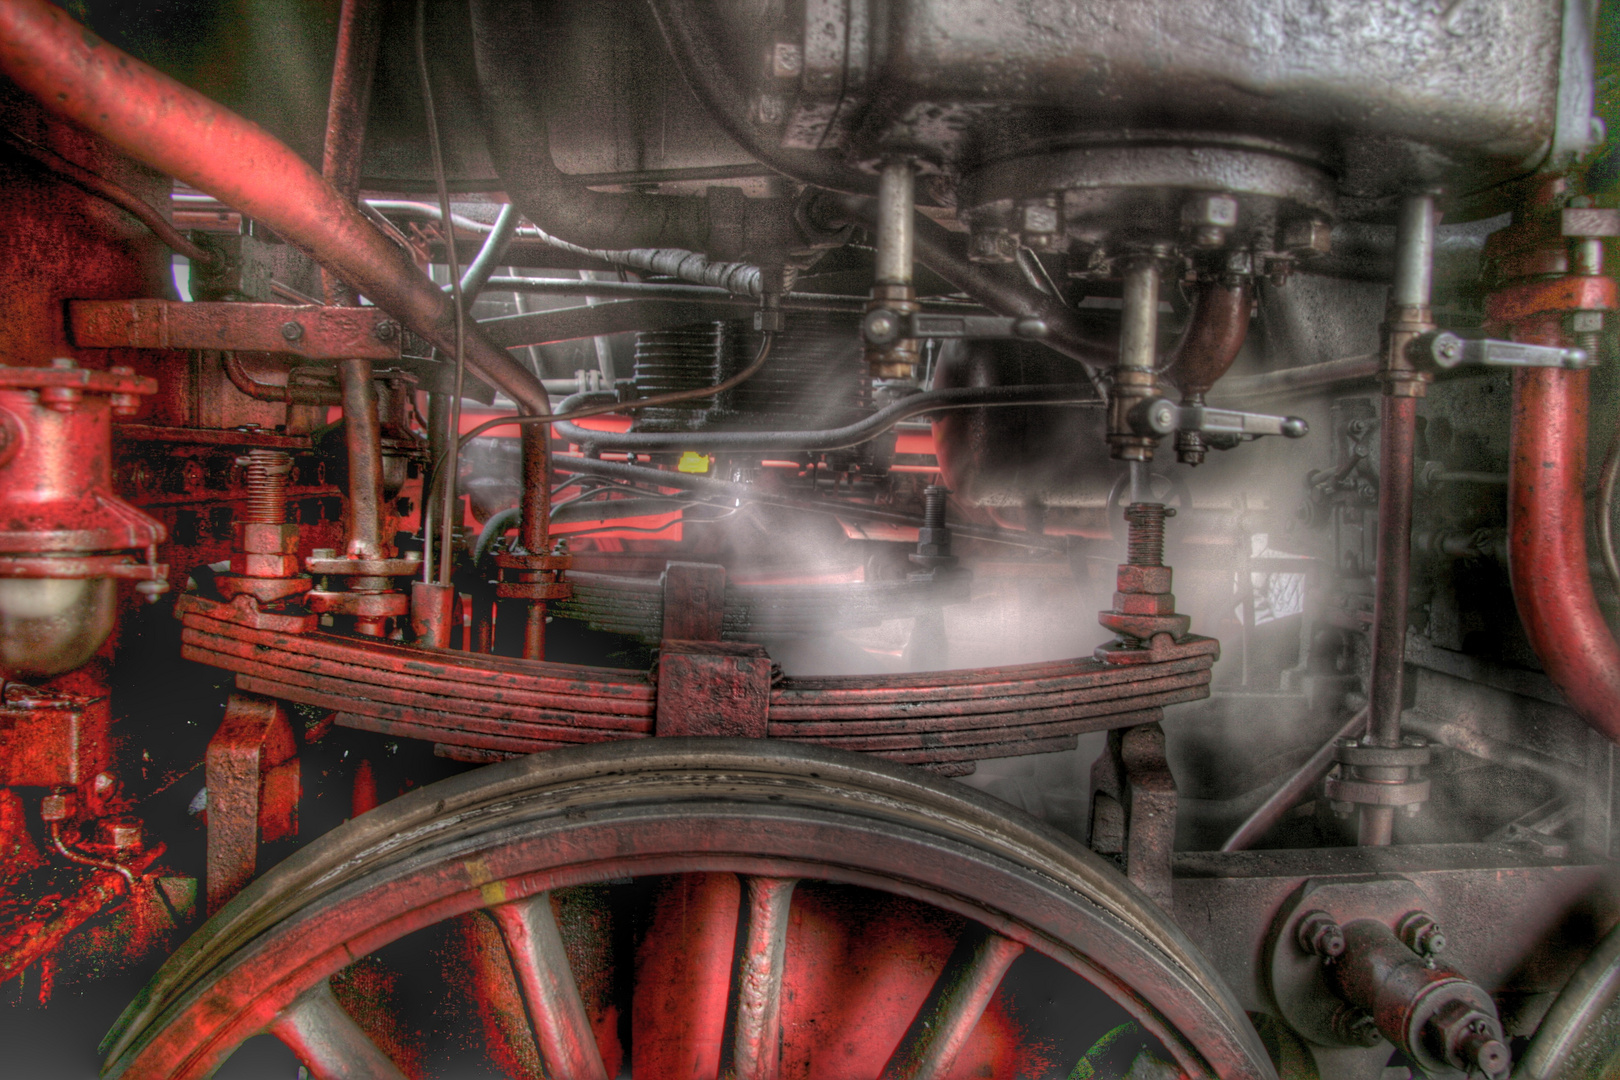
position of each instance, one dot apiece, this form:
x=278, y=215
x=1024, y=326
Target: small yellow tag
x=693, y=462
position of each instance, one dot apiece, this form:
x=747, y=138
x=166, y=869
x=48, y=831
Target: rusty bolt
x=1354, y=1027
x=1422, y=934
x=1039, y=219
x=122, y=834
x=63, y=399
x=787, y=60
x=992, y=246
x=1584, y=322
x=1308, y=236
x=57, y=806
x=385, y=330
x=1220, y=211
x=1319, y=935
x=292, y=331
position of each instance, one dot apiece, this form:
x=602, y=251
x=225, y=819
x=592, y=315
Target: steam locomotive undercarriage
x=636, y=539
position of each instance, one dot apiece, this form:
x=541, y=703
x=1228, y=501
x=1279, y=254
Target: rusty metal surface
x=483, y=702
x=504, y=834
x=1226, y=902
x=311, y=331
x=244, y=802
x=713, y=688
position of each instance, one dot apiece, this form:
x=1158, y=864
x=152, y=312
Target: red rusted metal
x=713, y=688
x=433, y=609
x=1547, y=558
x=51, y=739
x=172, y=128
x=694, y=601
x=942, y=720
x=307, y=330
x=252, y=781
x=1215, y=332
x=1133, y=807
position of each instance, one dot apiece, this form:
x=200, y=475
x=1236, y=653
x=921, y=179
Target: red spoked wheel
x=704, y=908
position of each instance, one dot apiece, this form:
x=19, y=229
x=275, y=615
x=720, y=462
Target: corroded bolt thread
x=1592, y=344
x=1144, y=538
x=267, y=474
x=934, y=506
x=1319, y=935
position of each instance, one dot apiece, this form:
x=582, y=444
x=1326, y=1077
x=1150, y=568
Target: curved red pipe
x=1552, y=583
x=1215, y=333
x=178, y=131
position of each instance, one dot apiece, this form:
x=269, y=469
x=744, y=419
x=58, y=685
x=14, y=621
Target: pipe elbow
x=1552, y=584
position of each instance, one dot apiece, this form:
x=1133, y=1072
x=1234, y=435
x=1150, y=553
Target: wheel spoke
x=756, y=1041
x=954, y=1006
x=561, y=1029
x=329, y=1043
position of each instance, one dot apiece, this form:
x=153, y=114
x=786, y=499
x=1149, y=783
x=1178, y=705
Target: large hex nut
x=255, y=564
x=1143, y=579
x=261, y=539
x=1145, y=603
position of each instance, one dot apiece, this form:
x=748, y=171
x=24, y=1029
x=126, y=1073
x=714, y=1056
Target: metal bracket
x=1160, y=416
x=884, y=327
x=1448, y=351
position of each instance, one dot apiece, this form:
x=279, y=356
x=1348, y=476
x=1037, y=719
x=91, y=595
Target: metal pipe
x=935, y=248
x=1349, y=369
x=174, y=129
x=896, y=210
x=1139, y=327
x=287, y=392
x=826, y=438
x=1409, y=309
x=1397, y=448
x=354, y=63
x=1552, y=582
x=1414, y=253
x=1135, y=372
x=533, y=526
x=1285, y=798
x=489, y=256
x=706, y=487
x=117, y=194
x=359, y=26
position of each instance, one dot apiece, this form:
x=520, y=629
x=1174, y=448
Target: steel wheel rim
x=578, y=816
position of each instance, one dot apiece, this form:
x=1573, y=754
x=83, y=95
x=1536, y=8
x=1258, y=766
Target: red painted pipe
x=1547, y=544
x=178, y=131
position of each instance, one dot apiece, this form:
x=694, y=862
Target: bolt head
x=292, y=331
x=385, y=330
x=1220, y=211
x=122, y=834
x=1039, y=216
x=1584, y=322
x=992, y=246
x=57, y=806
x=1308, y=237
x=882, y=327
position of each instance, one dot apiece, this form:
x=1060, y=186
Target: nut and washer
x=1319, y=935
